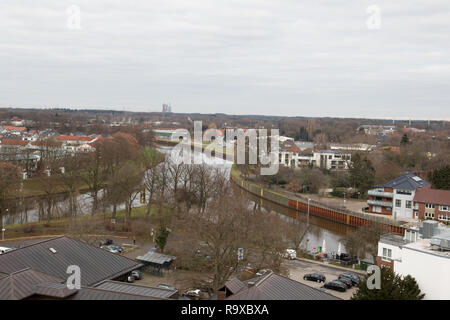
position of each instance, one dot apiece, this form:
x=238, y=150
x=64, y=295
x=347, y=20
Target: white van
x=290, y=254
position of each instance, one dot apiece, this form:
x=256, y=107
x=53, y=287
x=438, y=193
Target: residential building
x=363, y=147
x=291, y=155
x=376, y=129
x=424, y=255
x=432, y=204
x=271, y=286
x=332, y=159
x=395, y=198
x=39, y=271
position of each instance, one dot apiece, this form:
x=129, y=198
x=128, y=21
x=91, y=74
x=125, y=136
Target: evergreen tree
x=440, y=178
x=405, y=140
x=392, y=287
x=362, y=173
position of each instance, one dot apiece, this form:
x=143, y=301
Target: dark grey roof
x=136, y=289
x=96, y=264
x=22, y=284
x=88, y=293
x=276, y=287
x=408, y=181
x=234, y=285
x=54, y=290
x=155, y=257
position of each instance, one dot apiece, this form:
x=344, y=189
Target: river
x=320, y=229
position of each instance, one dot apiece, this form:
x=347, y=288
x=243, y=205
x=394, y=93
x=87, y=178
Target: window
x=407, y=192
x=408, y=204
x=387, y=254
x=398, y=203
x=429, y=206
x=444, y=217
x=444, y=208
x=429, y=215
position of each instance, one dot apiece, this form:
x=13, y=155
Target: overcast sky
x=280, y=57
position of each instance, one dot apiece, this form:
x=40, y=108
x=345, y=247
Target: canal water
x=321, y=230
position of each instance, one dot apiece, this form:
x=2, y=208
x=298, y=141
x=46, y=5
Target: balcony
x=380, y=193
x=379, y=203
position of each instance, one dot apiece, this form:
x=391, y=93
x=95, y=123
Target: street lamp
x=3, y=225
x=344, y=199
x=307, y=216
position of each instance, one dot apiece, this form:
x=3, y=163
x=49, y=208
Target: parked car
x=335, y=285
x=110, y=249
x=106, y=242
x=318, y=277
x=195, y=293
x=290, y=254
x=346, y=281
x=351, y=276
x=262, y=272
x=166, y=286
x=116, y=247
x=136, y=274
x=5, y=249
x=130, y=278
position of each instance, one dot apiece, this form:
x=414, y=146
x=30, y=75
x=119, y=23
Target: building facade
x=423, y=254
x=396, y=197
x=432, y=204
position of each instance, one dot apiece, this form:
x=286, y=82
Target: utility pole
x=3, y=225
x=307, y=216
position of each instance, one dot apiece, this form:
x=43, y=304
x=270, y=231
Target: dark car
x=335, y=285
x=346, y=281
x=318, y=277
x=136, y=274
x=351, y=276
x=106, y=242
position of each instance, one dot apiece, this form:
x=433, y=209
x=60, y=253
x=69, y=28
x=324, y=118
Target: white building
x=395, y=198
x=324, y=159
x=424, y=256
x=364, y=147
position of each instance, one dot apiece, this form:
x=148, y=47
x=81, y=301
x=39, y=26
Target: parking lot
x=298, y=268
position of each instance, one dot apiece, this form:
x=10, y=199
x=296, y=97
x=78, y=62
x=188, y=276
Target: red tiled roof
x=74, y=138
x=433, y=196
x=12, y=128
x=15, y=142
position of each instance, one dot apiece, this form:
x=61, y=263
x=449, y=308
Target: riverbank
x=61, y=225
x=316, y=208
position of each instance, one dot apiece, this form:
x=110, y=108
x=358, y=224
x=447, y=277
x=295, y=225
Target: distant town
x=101, y=192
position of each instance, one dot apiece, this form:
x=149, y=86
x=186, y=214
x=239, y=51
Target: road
x=298, y=268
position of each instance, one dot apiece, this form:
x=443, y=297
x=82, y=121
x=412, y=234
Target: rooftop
x=155, y=257
x=53, y=256
x=408, y=181
x=435, y=196
x=124, y=287
x=276, y=287
x=425, y=246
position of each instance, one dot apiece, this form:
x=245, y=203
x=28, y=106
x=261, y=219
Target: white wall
x=396, y=251
x=403, y=212
x=430, y=271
